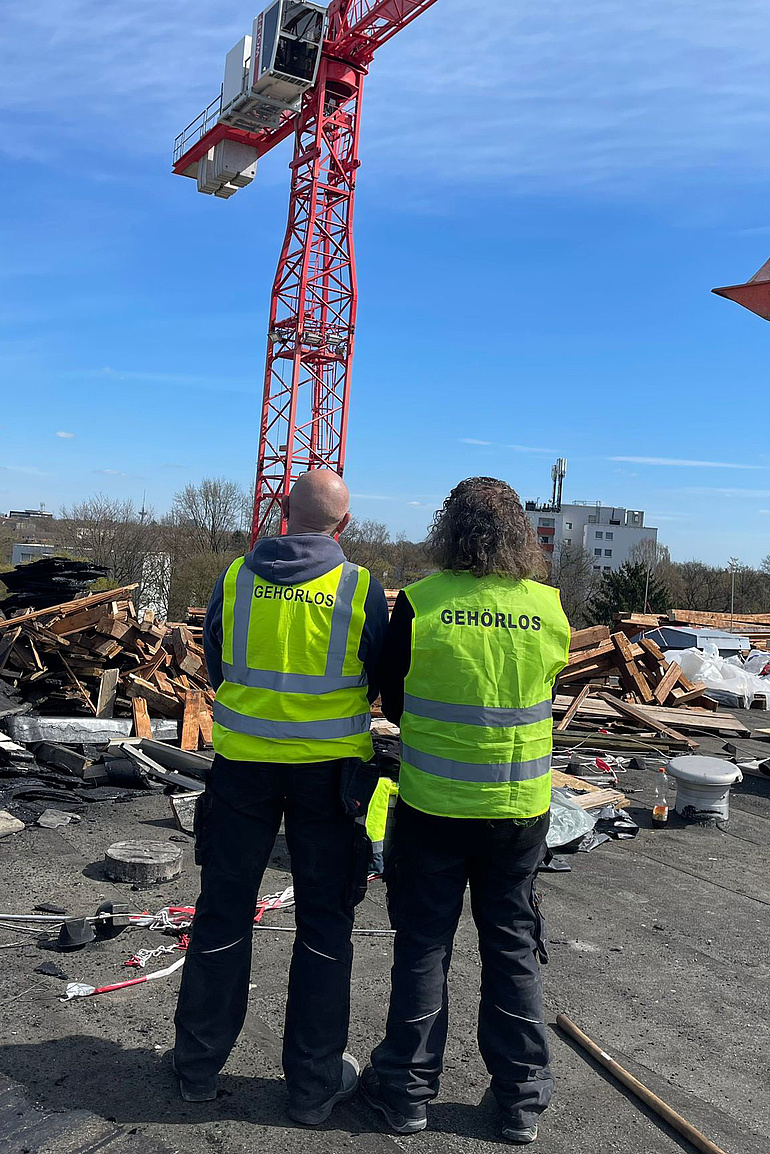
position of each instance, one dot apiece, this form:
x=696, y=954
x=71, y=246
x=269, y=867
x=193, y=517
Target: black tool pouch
x=358, y=782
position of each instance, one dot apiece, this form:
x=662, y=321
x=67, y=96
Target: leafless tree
x=108, y=532
x=367, y=543
x=572, y=572
x=212, y=515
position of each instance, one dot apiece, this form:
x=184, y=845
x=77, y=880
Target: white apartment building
x=605, y=532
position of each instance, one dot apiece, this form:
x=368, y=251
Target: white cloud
x=677, y=462
x=705, y=491
x=501, y=445
x=597, y=93
x=29, y=470
x=111, y=473
x=65, y=436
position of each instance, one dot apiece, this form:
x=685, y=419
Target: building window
x=567, y=524
x=608, y=536
x=597, y=552
x=546, y=522
x=567, y=540
x=607, y=568
x=607, y=552
x=599, y=536
x=592, y=520
x=597, y=568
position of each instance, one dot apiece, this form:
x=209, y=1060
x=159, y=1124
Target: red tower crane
x=301, y=72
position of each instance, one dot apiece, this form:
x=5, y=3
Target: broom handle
x=680, y=1124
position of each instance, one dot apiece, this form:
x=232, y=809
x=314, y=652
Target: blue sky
x=545, y=202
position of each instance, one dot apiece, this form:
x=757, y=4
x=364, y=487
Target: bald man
x=292, y=637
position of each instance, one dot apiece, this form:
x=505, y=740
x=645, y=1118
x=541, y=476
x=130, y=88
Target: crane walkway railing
x=198, y=128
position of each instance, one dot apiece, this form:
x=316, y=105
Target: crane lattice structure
x=301, y=72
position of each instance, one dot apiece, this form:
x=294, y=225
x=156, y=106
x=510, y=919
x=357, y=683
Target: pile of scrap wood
x=628, y=696
x=599, y=658
x=96, y=655
x=754, y=626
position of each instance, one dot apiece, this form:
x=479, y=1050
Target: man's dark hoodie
x=292, y=560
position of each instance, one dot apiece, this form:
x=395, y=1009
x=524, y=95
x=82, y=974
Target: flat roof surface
x=659, y=951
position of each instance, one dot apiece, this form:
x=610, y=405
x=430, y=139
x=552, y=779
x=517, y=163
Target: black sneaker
x=195, y=1092
x=348, y=1087
x=520, y=1127
x=411, y=1123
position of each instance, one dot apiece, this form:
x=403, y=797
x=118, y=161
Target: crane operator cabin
x=266, y=75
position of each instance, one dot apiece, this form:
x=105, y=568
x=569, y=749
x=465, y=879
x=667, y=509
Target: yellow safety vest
x=294, y=687
x=476, y=731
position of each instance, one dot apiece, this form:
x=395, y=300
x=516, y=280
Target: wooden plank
x=667, y=682
x=141, y=714
x=635, y=712
x=205, y=724
x=160, y=703
x=587, y=638
x=67, y=607
x=589, y=656
x=578, y=701
x=108, y=691
x=692, y=695
x=718, y=620
x=695, y=719
x=193, y=700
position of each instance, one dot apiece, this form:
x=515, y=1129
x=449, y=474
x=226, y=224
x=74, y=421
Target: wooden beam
x=193, y=700
x=142, y=723
x=646, y=718
x=667, y=682
x=586, y=638
x=578, y=701
x=108, y=691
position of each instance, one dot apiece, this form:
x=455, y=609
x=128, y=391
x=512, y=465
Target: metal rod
x=656, y=1104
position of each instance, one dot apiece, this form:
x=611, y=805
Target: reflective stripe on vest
x=476, y=714
x=287, y=730
x=476, y=729
x=491, y=773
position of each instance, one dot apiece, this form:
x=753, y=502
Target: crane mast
x=312, y=318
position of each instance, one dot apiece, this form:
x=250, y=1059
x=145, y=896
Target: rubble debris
x=39, y=584
x=94, y=657
x=51, y=970
x=143, y=863
x=9, y=824
x=56, y=818
x=183, y=810
x=75, y=933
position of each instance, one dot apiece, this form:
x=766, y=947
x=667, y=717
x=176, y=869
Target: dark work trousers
x=237, y=821
x=427, y=869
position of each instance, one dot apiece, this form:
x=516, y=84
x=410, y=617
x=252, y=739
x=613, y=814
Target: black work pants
x=238, y=818
x=431, y=861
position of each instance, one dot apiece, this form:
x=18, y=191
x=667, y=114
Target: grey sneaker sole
x=520, y=1137
x=408, y=1126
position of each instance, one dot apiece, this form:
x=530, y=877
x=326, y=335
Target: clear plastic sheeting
x=727, y=678
x=568, y=821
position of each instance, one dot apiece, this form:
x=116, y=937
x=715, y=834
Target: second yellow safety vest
x=476, y=730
